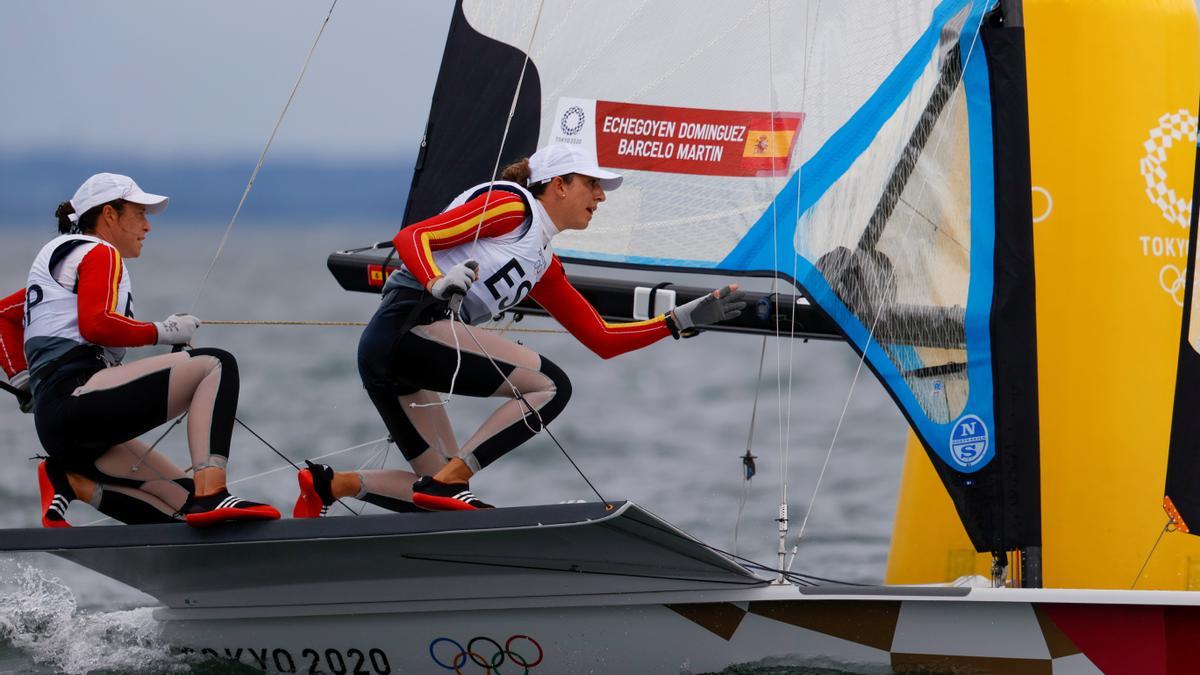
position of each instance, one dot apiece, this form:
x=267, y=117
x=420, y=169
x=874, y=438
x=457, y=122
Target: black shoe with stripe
x=316, y=491
x=433, y=495
x=223, y=507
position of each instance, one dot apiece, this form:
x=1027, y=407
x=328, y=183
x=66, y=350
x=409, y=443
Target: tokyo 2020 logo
x=572, y=121
x=1173, y=128
x=1175, y=133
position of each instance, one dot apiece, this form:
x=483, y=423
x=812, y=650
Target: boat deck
x=564, y=549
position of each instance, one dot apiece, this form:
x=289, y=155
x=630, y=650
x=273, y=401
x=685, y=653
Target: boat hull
x=581, y=588
x=873, y=630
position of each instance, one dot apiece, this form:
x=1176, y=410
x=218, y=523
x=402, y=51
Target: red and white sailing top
x=78, y=293
x=12, y=334
x=515, y=259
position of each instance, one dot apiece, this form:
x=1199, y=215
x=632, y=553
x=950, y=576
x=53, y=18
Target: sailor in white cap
x=89, y=407
x=492, y=247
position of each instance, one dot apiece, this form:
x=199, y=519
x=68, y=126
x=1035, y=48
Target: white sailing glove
x=20, y=382
x=177, y=329
x=456, y=281
x=723, y=303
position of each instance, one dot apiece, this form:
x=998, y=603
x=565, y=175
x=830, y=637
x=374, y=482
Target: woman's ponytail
x=517, y=172
x=85, y=222
x=63, y=214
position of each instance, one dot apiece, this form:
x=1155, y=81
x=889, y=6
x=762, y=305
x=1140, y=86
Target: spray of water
x=40, y=617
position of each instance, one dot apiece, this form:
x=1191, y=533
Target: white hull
x=875, y=630
x=581, y=589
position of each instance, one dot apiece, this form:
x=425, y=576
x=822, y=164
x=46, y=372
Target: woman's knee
x=220, y=357
x=558, y=379
x=374, y=347
x=561, y=390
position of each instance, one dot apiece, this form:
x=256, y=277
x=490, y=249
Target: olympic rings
x=1178, y=283
x=497, y=657
x=514, y=656
x=1049, y=203
x=500, y=655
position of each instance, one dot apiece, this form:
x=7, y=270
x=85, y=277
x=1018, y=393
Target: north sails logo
x=1174, y=130
x=572, y=121
x=968, y=441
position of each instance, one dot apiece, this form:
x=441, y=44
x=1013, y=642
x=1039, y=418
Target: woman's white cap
x=560, y=159
x=105, y=187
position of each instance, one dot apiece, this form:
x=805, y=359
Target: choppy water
x=664, y=427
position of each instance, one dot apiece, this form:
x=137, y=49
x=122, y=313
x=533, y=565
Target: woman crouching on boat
x=89, y=409
x=499, y=233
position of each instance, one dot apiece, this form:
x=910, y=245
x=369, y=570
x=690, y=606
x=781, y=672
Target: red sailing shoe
x=56, y=494
x=316, y=491
x=433, y=495
x=223, y=507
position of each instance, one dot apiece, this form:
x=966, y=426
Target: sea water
x=665, y=427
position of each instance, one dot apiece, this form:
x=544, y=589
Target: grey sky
x=163, y=79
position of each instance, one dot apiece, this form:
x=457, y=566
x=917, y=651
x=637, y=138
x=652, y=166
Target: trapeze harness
x=79, y=287
x=516, y=260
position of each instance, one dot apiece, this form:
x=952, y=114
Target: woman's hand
x=177, y=329
x=20, y=383
x=456, y=281
x=721, y=304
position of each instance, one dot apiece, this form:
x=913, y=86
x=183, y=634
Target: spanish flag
x=765, y=143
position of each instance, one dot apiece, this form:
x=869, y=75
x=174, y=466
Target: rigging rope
x=748, y=458
x=261, y=158
x=1166, y=528
x=360, y=324
x=810, y=38
x=544, y=426
x=783, y=444
x=275, y=470
x=512, y=112
x=286, y=458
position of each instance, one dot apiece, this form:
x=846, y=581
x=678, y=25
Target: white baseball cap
x=105, y=187
x=560, y=159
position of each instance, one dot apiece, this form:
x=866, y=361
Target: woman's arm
x=568, y=306
x=12, y=334
x=101, y=320
x=415, y=244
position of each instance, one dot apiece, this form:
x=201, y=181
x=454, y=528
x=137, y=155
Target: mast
x=1014, y=322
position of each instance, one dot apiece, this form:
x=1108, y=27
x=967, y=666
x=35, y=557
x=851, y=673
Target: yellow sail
x=1113, y=92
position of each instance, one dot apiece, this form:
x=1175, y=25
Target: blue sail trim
x=753, y=252
x=770, y=242
x=966, y=443
x=844, y=147
x=977, y=87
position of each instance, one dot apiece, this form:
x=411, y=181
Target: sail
x=849, y=148
x=1181, y=499
x=1112, y=120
